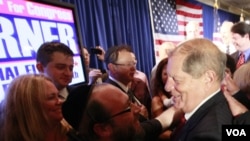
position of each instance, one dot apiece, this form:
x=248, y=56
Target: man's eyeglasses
x=128, y=109
x=120, y=113
x=128, y=64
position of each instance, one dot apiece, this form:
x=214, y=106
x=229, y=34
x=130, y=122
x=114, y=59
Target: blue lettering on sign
x=10, y=73
x=30, y=69
x=75, y=74
x=21, y=37
x=1, y=75
x=5, y=86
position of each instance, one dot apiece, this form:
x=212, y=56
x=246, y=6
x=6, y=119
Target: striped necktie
x=177, y=131
x=241, y=60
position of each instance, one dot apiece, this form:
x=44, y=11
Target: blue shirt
x=247, y=54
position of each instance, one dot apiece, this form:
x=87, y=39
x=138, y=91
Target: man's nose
x=169, y=85
x=68, y=71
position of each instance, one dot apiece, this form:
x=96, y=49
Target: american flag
x=169, y=18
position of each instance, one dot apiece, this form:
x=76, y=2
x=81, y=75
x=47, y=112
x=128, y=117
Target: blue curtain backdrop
x=112, y=22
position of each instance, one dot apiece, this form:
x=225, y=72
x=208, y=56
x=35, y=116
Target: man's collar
x=64, y=93
x=124, y=87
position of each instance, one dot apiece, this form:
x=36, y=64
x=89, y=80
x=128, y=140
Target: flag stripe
x=164, y=29
x=183, y=18
x=189, y=5
x=190, y=15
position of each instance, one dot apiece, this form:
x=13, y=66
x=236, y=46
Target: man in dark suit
x=121, y=66
x=55, y=60
x=241, y=41
x=195, y=71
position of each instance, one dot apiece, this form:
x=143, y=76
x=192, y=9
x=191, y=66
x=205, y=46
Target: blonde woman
x=31, y=111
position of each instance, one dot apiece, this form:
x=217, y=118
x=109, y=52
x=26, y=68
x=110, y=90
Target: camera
x=96, y=51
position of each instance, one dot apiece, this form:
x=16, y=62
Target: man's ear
x=111, y=67
x=247, y=36
x=39, y=67
x=210, y=77
x=103, y=130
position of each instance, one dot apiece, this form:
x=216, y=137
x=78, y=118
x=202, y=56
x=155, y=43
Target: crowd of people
x=193, y=91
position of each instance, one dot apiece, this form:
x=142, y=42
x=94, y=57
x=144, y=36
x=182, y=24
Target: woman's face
x=52, y=104
x=86, y=56
x=164, y=75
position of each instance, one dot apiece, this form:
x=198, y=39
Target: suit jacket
x=236, y=57
x=130, y=94
x=243, y=119
x=242, y=98
x=114, y=83
x=206, y=123
x=75, y=104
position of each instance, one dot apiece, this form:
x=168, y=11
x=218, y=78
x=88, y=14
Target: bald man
x=192, y=30
x=226, y=44
x=110, y=116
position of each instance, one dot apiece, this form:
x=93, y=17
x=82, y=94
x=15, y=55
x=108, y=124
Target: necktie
x=133, y=98
x=241, y=60
x=130, y=95
x=177, y=130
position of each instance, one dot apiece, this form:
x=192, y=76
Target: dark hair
x=241, y=28
x=46, y=50
x=231, y=64
x=95, y=113
x=112, y=53
x=157, y=82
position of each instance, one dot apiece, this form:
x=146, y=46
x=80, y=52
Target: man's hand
x=229, y=86
x=100, y=56
x=94, y=74
x=235, y=106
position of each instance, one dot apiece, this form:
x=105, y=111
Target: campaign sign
x=24, y=26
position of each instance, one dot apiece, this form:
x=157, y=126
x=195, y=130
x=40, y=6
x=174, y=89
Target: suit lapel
x=200, y=113
x=115, y=84
x=130, y=93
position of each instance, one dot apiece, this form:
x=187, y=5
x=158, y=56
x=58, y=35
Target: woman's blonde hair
x=23, y=114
